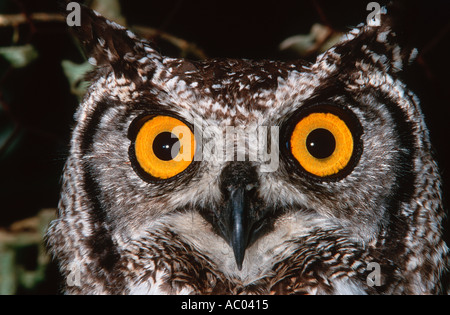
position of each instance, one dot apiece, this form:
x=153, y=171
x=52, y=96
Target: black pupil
x=164, y=144
x=320, y=143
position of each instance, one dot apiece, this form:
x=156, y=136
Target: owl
x=229, y=176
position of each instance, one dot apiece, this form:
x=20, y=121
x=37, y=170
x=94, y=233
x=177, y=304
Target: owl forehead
x=226, y=90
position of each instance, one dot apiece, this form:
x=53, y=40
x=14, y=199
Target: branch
x=7, y=20
x=13, y=20
x=185, y=46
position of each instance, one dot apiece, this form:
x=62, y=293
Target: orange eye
x=164, y=147
x=322, y=143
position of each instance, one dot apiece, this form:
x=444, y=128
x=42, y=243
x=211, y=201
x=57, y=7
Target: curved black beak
x=241, y=219
x=238, y=229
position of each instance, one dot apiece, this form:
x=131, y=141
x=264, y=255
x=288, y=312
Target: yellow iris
x=164, y=147
x=322, y=143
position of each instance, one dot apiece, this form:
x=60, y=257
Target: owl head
x=234, y=176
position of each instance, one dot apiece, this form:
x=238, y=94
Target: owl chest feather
x=296, y=259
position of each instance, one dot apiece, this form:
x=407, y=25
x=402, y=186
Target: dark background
x=37, y=107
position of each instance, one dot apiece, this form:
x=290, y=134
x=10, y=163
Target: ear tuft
x=107, y=43
x=383, y=43
x=393, y=33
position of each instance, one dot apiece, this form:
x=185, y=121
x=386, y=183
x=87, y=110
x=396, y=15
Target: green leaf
x=76, y=74
x=19, y=56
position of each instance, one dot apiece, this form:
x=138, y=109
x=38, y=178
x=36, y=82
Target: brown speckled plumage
x=124, y=234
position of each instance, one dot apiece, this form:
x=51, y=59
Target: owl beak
x=240, y=220
x=240, y=224
x=238, y=231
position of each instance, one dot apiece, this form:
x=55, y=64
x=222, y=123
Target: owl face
x=252, y=170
